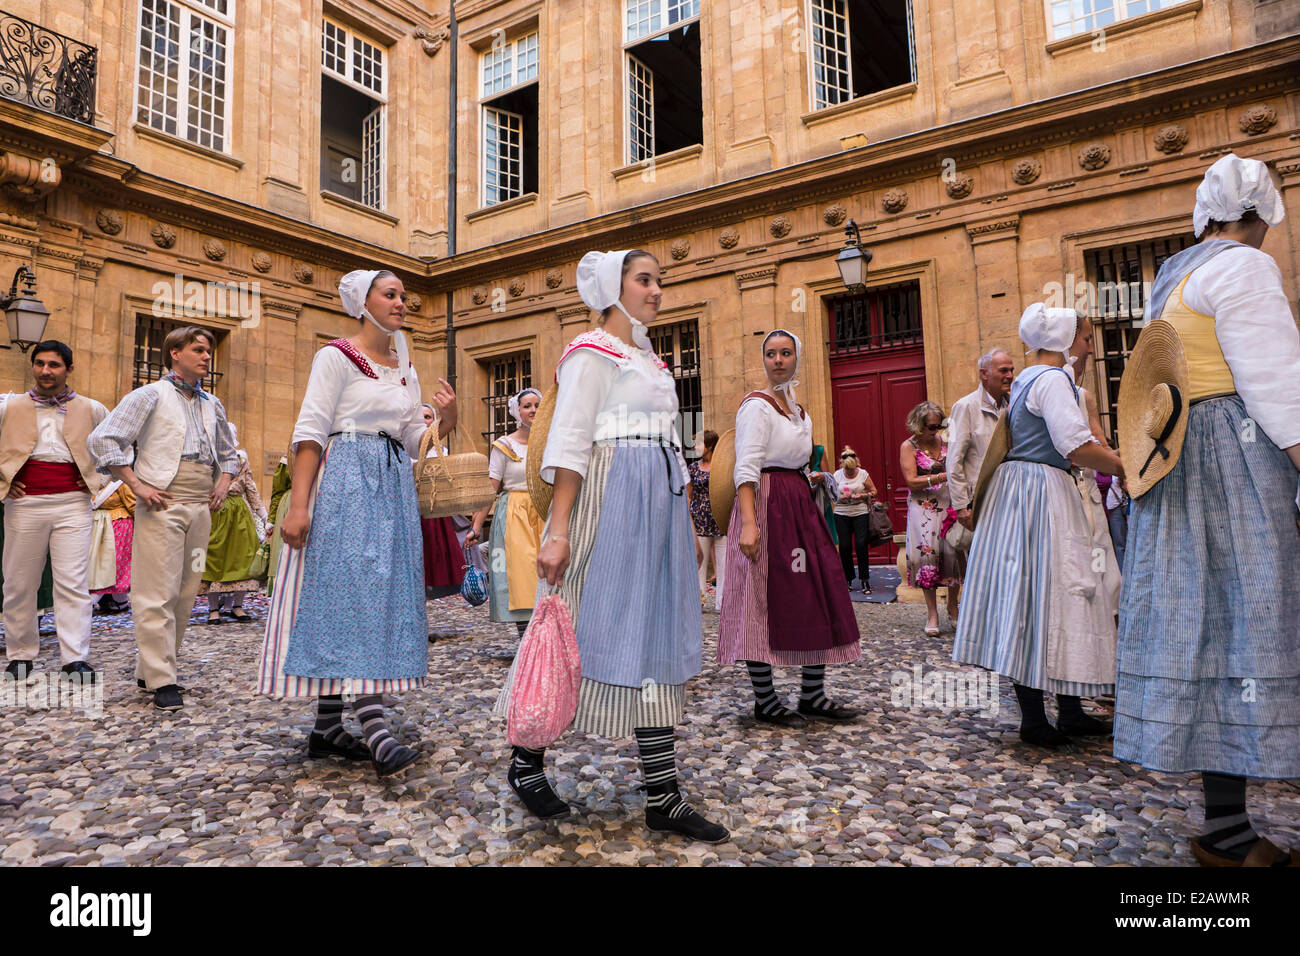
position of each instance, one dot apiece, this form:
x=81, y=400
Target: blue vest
x=1030, y=439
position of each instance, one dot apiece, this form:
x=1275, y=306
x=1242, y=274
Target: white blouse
x=513, y=475
x=1052, y=399
x=765, y=438
x=1242, y=289
x=608, y=392
x=853, y=487
x=342, y=398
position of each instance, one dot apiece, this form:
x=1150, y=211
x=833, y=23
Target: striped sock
x=370, y=711
x=811, y=696
x=522, y=626
x=526, y=768
x=329, y=720
x=1228, y=829
x=658, y=747
x=765, y=700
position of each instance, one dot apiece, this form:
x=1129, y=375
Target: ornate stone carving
x=164, y=236
x=28, y=178
x=261, y=262
x=680, y=249
x=413, y=303
x=1026, y=170
x=1094, y=156
x=834, y=214
x=994, y=226
x=729, y=238
x=517, y=286
x=759, y=277
x=303, y=273
x=894, y=200
x=431, y=41
x=1258, y=119
x=109, y=221
x=479, y=295
x=1171, y=138
x=779, y=227
x=553, y=278
x=214, y=249
x=961, y=186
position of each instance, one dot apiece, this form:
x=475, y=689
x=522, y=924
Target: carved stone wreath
x=214, y=249
x=413, y=303
x=1171, y=138
x=517, y=286
x=110, y=221
x=729, y=238
x=1025, y=171
x=779, y=227
x=1257, y=119
x=680, y=249
x=303, y=273
x=894, y=200
x=479, y=295
x=1094, y=156
x=261, y=262
x=164, y=236
x=834, y=214
x=553, y=278
x=960, y=186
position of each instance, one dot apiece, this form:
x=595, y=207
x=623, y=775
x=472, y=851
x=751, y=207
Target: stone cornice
x=991, y=230
x=756, y=278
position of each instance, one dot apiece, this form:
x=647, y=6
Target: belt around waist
x=1210, y=398
x=1035, y=461
x=777, y=469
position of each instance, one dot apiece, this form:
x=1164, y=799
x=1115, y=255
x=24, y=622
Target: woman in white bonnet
x=347, y=617
x=1039, y=603
x=619, y=542
x=1209, y=625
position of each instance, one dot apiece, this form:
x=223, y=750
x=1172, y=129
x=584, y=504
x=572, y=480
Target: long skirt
x=791, y=605
x=1041, y=589
x=631, y=588
x=444, y=562
x=348, y=611
x=1209, y=627
x=516, y=538
x=232, y=545
x=926, y=546
x=110, y=547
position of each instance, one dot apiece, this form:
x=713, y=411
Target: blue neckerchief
x=185, y=386
x=58, y=401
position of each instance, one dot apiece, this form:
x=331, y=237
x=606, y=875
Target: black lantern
x=853, y=259
x=25, y=313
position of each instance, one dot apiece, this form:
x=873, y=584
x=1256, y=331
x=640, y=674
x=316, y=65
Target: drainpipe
x=453, y=50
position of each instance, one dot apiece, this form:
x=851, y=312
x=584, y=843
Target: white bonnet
x=1233, y=186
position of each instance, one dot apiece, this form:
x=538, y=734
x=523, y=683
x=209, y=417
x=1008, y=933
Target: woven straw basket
x=451, y=484
x=538, y=490
x=722, y=486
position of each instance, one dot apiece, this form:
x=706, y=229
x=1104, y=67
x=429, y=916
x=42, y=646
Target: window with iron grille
x=149, y=365
x=679, y=347
x=509, y=105
x=663, y=98
x=509, y=374
x=859, y=47
x=184, y=61
x=1121, y=277
x=887, y=317
x=1069, y=17
x=353, y=127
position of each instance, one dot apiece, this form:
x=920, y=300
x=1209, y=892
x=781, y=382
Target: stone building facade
x=991, y=153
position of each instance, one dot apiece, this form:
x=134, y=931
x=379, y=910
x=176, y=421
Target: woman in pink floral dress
x=931, y=562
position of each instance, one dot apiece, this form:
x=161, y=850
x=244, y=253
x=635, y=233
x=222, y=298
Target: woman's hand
x=295, y=527
x=474, y=537
x=444, y=400
x=553, y=560
x=749, y=540
x=817, y=478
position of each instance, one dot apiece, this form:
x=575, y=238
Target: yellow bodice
x=1207, y=369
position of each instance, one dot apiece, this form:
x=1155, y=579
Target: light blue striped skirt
x=1033, y=608
x=498, y=580
x=1209, y=631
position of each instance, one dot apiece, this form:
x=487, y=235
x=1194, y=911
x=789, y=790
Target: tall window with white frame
x=1066, y=18
x=183, y=76
x=859, y=47
x=508, y=105
x=662, y=79
x=353, y=94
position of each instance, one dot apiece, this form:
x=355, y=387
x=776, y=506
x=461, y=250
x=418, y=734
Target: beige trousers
x=168, y=555
x=57, y=525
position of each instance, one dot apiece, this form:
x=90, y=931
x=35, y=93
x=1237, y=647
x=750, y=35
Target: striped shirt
x=111, y=442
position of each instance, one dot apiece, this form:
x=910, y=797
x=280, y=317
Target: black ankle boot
x=318, y=745
x=682, y=818
x=531, y=786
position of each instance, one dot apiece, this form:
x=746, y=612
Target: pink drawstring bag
x=548, y=672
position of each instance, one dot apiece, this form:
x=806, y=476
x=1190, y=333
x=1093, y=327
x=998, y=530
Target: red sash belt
x=49, y=477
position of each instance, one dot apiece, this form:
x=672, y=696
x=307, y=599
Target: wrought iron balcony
x=46, y=69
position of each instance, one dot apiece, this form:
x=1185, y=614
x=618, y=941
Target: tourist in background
x=853, y=517
x=710, y=542
x=932, y=563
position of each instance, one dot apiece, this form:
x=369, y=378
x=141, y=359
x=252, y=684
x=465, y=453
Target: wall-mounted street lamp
x=25, y=313
x=853, y=259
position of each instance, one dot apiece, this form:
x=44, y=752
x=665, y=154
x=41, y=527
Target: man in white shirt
x=47, y=479
x=970, y=426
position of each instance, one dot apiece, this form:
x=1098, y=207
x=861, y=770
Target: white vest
x=162, y=439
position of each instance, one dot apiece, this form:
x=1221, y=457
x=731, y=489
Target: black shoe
x=1049, y=738
x=782, y=718
x=1084, y=726
x=79, y=672
x=688, y=824
x=19, y=670
x=168, y=697
x=318, y=745
x=541, y=801
x=145, y=687
x=399, y=758
x=828, y=711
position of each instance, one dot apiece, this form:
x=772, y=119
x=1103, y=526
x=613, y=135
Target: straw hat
x=538, y=490
x=722, y=484
x=1153, y=407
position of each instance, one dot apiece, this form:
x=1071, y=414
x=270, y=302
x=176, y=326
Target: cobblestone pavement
x=227, y=780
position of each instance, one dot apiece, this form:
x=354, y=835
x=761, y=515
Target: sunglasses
x=934, y=428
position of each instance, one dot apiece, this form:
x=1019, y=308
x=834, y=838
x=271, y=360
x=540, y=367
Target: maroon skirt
x=444, y=562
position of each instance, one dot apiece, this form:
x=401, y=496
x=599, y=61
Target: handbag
x=449, y=484
x=261, y=563
x=474, y=585
x=547, y=675
x=879, y=528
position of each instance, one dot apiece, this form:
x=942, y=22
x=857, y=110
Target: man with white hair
x=970, y=426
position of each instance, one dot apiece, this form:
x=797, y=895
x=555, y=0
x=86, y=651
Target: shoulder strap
x=503, y=446
x=770, y=401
